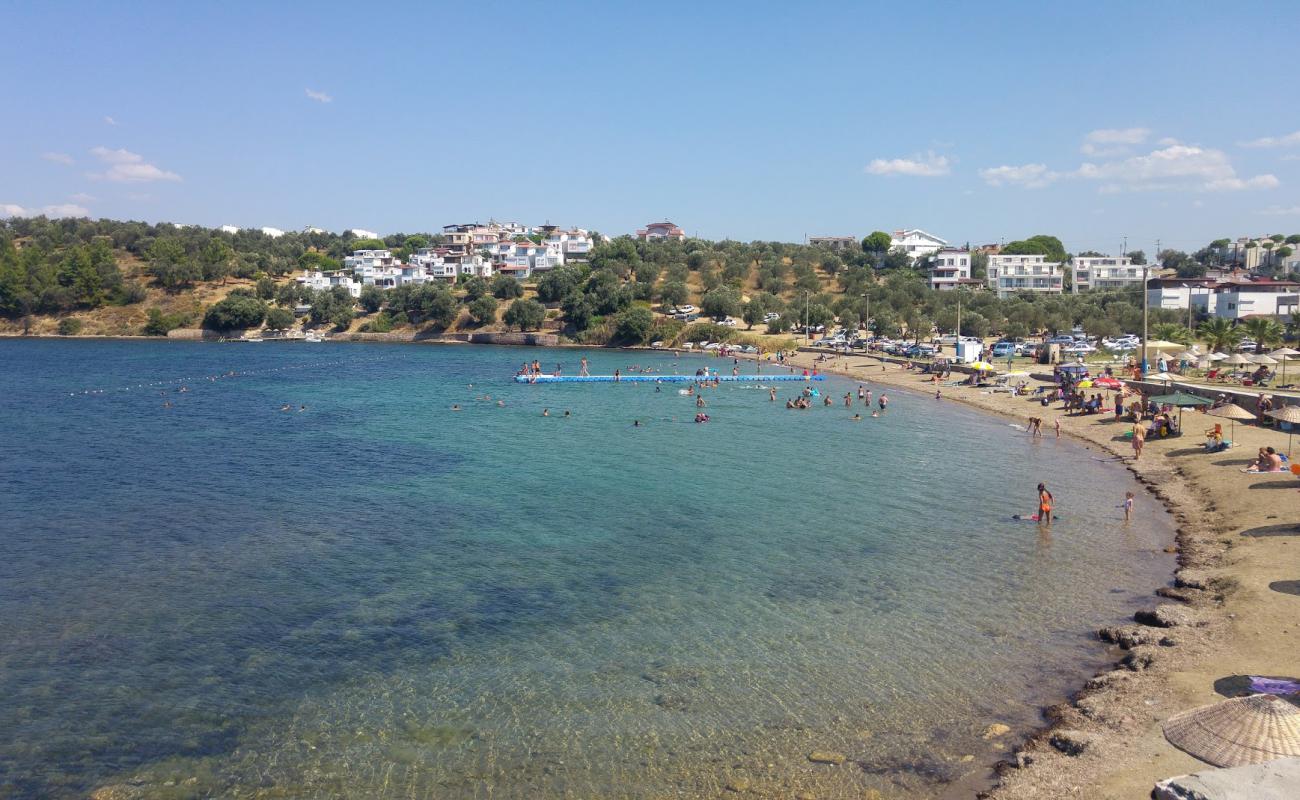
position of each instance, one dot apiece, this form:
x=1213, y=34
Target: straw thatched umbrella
x=1284, y=354
x=1217, y=356
x=1265, y=360
x=1291, y=415
x=1232, y=412
x=1243, y=730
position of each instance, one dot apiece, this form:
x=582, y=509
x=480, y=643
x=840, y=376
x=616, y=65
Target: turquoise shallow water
x=380, y=597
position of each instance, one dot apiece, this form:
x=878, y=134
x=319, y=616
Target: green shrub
x=236, y=311
x=70, y=326
x=634, y=325
x=159, y=323
x=279, y=319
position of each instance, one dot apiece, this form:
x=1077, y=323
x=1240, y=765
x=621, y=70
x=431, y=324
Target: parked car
x=1079, y=348
x=770, y=316
x=921, y=351
x=1004, y=349
x=1061, y=339
x=686, y=309
x=728, y=322
x=1245, y=345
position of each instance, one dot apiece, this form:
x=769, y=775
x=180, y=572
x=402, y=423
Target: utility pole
x=1146, y=309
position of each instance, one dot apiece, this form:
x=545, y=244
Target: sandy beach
x=1217, y=617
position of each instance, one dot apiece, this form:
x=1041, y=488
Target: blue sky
x=751, y=120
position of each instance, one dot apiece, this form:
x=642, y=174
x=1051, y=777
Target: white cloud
x=82, y=197
x=1174, y=167
x=1030, y=176
x=58, y=158
x=1168, y=141
x=319, y=97
x=1237, y=184
x=58, y=210
x=929, y=167
x=1106, y=142
x=1280, y=211
x=110, y=121
x=1289, y=140
x=128, y=167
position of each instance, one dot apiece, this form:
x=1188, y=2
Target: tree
x=372, y=298
x=1138, y=257
x=265, y=288
x=236, y=311
x=896, y=259
x=754, y=311
x=158, y=323
x=170, y=265
x=1042, y=244
x=556, y=284
x=579, y=310
x=505, y=287
x=526, y=314
x=1219, y=334
x=877, y=243
x=673, y=294
x=1172, y=332
x=215, y=260
x=367, y=244
x=720, y=303
x=483, y=309
x=634, y=324
x=979, y=265
x=1265, y=331
x=70, y=326
x=279, y=319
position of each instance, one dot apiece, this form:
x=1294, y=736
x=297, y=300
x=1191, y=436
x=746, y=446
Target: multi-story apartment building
x=1261, y=297
x=573, y=244
x=950, y=268
x=317, y=281
x=1106, y=272
x=1009, y=274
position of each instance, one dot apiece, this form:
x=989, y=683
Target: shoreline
x=1105, y=736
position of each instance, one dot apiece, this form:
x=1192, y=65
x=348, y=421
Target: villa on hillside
x=916, y=242
x=661, y=230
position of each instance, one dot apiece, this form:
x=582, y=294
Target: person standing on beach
x=1045, y=502
x=1058, y=427
x=1139, y=439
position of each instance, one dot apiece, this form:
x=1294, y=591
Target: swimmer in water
x=455, y=407
x=857, y=417
x=566, y=413
x=636, y=423
x=875, y=413
x=546, y=412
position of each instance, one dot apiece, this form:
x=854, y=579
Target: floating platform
x=652, y=378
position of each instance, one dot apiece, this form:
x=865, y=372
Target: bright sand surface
x=1237, y=533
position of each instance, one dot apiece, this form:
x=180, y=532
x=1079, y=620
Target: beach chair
x=1217, y=430
x=1212, y=374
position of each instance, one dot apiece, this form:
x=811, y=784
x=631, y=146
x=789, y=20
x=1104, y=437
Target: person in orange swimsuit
x=1044, y=505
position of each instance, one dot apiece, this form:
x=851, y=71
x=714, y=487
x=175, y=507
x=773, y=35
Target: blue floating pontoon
x=643, y=378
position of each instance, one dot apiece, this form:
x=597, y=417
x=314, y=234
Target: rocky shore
x=1236, y=533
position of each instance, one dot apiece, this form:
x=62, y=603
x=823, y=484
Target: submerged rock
x=995, y=730
x=827, y=757
x=738, y=784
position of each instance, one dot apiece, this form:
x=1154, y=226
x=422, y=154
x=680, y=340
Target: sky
x=1101, y=122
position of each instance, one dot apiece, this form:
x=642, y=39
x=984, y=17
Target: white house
x=950, y=268
x=317, y=281
x=364, y=234
x=1175, y=294
x=230, y=229
x=1009, y=274
x=274, y=233
x=1260, y=297
x=1106, y=272
x=573, y=244
x=916, y=243
x=833, y=242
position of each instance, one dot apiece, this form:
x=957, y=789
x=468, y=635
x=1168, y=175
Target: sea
x=374, y=570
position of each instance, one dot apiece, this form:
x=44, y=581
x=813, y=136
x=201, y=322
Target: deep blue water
x=379, y=596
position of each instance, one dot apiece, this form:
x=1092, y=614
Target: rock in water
x=738, y=784
x=995, y=730
x=826, y=757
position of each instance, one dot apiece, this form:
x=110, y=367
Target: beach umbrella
x=1291, y=416
x=1284, y=354
x=1265, y=360
x=1236, y=360
x=1217, y=356
x=982, y=366
x=1232, y=412
x=1160, y=376
x=1181, y=400
x=1161, y=344
x=1107, y=382
x=1085, y=384
x=1243, y=730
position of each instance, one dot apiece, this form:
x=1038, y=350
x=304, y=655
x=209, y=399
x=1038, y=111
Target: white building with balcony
x=573, y=244
x=916, y=243
x=1009, y=274
x=324, y=281
x=1258, y=298
x=950, y=268
x=1106, y=272
x=1176, y=294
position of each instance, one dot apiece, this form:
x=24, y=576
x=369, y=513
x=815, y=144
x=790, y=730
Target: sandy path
x=1227, y=620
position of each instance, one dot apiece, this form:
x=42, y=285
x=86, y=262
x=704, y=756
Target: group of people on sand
x=1268, y=460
